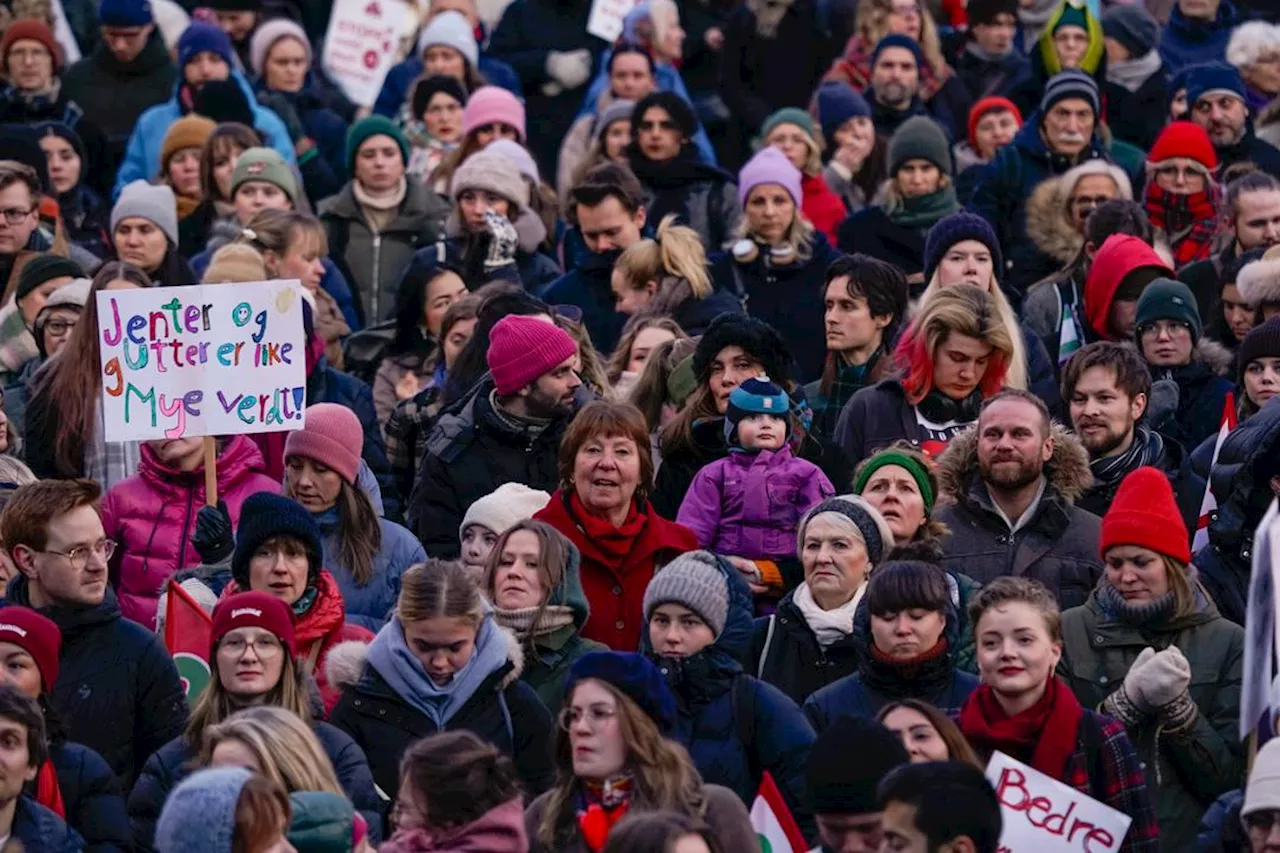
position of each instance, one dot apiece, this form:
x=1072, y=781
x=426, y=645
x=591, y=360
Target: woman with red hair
x=952, y=357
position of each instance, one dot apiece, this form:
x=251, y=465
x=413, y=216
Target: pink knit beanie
x=523, y=348
x=490, y=104
x=332, y=436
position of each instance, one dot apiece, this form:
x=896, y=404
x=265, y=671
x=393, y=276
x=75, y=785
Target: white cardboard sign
x=1042, y=815
x=362, y=44
x=605, y=20
x=209, y=359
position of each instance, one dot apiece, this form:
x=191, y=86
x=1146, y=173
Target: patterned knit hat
x=956, y=228
x=264, y=515
x=252, y=609
x=490, y=171
x=1071, y=83
x=332, y=436
x=190, y=131
x=693, y=580
x=1145, y=513
x=265, y=165
x=199, y=815
x=523, y=348
x=755, y=396
x=38, y=636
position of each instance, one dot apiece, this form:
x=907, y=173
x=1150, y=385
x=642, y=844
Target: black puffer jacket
x=173, y=762
x=92, y=797
x=1249, y=458
x=117, y=690
x=785, y=652
x=1058, y=546
x=470, y=452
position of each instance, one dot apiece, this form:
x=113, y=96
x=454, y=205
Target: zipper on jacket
x=182, y=545
x=376, y=282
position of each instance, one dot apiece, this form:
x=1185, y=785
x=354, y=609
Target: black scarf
x=683, y=169
x=1147, y=448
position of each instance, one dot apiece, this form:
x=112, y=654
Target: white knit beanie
x=451, y=29
x=268, y=34
x=504, y=506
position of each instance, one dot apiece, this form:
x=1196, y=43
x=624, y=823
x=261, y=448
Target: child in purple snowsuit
x=749, y=503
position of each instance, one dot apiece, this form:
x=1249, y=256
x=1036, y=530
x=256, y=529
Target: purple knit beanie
x=523, y=348
x=769, y=166
x=332, y=436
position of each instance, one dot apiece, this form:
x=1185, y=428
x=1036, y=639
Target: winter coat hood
x=1048, y=223
x=1259, y=282
x=1109, y=268
x=499, y=830
x=1067, y=470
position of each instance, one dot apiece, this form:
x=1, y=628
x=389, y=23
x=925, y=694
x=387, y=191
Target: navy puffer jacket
x=92, y=797
x=735, y=726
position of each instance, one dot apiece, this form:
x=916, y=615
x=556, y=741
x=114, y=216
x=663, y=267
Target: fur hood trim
x=1214, y=355
x=1047, y=222
x=1259, y=282
x=345, y=662
x=1067, y=469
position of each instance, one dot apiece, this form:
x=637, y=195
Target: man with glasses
x=19, y=217
x=117, y=689
x=842, y=789
x=128, y=71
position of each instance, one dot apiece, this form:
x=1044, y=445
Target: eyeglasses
x=1163, y=327
x=15, y=215
x=79, y=557
x=596, y=715
x=30, y=54
x=58, y=328
x=265, y=648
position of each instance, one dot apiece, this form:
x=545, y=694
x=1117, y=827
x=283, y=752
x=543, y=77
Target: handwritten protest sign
x=605, y=20
x=362, y=43
x=1042, y=815
x=213, y=359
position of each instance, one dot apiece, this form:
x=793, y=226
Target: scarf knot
x=1044, y=735
x=614, y=543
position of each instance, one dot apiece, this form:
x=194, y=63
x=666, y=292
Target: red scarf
x=606, y=804
x=1048, y=730
x=612, y=543
x=1194, y=217
x=48, y=794
x=910, y=666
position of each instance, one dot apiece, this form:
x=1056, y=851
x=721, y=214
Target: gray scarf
x=1034, y=19
x=769, y=14
x=976, y=50
x=1132, y=73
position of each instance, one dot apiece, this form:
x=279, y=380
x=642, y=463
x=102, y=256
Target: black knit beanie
x=837, y=785
x=1261, y=342
x=427, y=87
x=264, y=515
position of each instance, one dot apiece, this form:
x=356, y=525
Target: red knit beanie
x=1145, y=513
x=523, y=348
x=252, y=610
x=987, y=105
x=1184, y=139
x=30, y=28
x=37, y=635
x=332, y=436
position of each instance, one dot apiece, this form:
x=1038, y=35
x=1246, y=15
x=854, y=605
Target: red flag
x=187, y=630
x=1208, y=503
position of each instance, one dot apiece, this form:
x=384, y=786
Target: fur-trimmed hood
x=1213, y=355
x=344, y=665
x=1047, y=222
x=1259, y=282
x=1067, y=469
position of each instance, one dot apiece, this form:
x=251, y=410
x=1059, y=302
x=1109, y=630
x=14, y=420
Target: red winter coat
x=615, y=591
x=822, y=206
x=152, y=516
x=319, y=630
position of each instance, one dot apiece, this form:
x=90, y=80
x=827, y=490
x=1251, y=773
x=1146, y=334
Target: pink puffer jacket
x=152, y=517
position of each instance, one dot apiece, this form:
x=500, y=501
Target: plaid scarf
x=849, y=379
x=1190, y=221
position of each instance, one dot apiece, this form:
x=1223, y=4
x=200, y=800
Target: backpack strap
x=506, y=719
x=768, y=641
x=743, y=698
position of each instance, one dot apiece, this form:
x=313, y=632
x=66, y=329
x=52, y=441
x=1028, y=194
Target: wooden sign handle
x=210, y=471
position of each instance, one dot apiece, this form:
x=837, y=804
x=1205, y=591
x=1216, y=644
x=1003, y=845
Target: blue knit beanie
x=956, y=228
x=199, y=37
x=199, y=816
x=264, y=515
x=755, y=396
x=124, y=13
x=374, y=125
x=837, y=103
x=1213, y=77
x=633, y=675
x=898, y=40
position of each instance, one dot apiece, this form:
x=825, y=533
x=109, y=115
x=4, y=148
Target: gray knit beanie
x=693, y=580
x=154, y=203
x=200, y=814
x=919, y=138
x=490, y=171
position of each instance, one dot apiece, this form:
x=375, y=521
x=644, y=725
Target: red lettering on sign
x=1040, y=812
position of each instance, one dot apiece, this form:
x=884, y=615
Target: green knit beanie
x=374, y=125
x=919, y=138
x=902, y=460
x=788, y=115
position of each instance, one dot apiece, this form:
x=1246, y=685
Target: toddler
x=749, y=503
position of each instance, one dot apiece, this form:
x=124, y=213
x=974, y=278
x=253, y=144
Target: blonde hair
x=1015, y=375
x=664, y=775
x=962, y=309
x=674, y=255
x=872, y=24
x=276, y=230
x=813, y=144
x=621, y=357
x=799, y=235
x=846, y=524
x=285, y=748
x=437, y=589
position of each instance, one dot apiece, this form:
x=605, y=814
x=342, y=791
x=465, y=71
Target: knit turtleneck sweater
x=380, y=206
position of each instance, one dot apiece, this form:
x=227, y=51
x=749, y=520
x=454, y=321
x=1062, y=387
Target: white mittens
x=569, y=68
x=1157, y=678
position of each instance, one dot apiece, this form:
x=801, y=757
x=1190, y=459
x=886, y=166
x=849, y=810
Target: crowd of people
x=831, y=391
